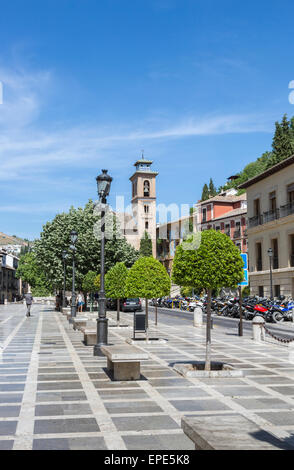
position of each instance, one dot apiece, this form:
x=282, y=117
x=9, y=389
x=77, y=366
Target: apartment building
x=10, y=287
x=270, y=199
x=227, y=212
x=169, y=236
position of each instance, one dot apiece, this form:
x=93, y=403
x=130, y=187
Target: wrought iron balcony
x=271, y=215
x=255, y=221
x=287, y=209
x=237, y=234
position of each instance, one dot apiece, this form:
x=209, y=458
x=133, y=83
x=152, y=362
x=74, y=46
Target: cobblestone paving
x=54, y=394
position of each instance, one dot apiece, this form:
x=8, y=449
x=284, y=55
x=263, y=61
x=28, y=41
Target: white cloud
x=27, y=148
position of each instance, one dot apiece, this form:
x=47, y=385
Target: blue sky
x=87, y=84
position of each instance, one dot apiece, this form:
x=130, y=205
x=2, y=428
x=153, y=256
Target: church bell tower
x=144, y=201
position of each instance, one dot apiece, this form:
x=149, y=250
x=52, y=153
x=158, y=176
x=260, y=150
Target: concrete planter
x=218, y=369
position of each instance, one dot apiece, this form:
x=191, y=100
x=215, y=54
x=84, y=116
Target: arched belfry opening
x=146, y=188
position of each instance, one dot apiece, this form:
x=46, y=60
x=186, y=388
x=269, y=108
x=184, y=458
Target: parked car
x=111, y=304
x=131, y=305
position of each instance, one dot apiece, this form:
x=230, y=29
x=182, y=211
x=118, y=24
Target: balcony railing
x=287, y=209
x=237, y=234
x=271, y=215
x=254, y=221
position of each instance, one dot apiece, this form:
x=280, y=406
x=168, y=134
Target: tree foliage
x=29, y=271
x=145, y=245
x=97, y=282
x=205, y=193
x=88, y=284
x=55, y=238
x=147, y=278
x=216, y=263
x=115, y=281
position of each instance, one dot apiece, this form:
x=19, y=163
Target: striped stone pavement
x=54, y=394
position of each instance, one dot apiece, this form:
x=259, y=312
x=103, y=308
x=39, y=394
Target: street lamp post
x=73, y=238
x=270, y=254
x=103, y=186
x=64, y=256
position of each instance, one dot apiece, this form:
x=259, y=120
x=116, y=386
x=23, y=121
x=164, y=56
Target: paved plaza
x=54, y=394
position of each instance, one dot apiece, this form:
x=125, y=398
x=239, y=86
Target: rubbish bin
x=139, y=323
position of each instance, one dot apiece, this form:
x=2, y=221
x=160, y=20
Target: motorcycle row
x=274, y=311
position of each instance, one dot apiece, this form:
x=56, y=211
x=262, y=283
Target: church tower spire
x=144, y=200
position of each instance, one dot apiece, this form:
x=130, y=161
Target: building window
x=256, y=207
x=258, y=252
x=146, y=209
x=146, y=225
x=272, y=201
x=260, y=291
x=277, y=291
x=203, y=215
x=275, y=253
x=228, y=230
x=146, y=188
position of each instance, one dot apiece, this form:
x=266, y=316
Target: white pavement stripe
x=24, y=435
x=112, y=437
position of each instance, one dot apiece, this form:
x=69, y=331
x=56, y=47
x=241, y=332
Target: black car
x=131, y=305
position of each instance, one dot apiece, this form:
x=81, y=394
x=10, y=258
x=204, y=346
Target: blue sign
x=245, y=269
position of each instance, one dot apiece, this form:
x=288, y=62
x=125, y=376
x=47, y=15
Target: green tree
x=148, y=279
x=89, y=287
x=55, y=237
x=282, y=142
x=205, y=193
x=212, y=189
x=97, y=282
x=29, y=271
x=145, y=245
x=216, y=263
x=115, y=282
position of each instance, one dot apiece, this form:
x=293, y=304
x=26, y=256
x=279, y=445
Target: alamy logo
x=291, y=95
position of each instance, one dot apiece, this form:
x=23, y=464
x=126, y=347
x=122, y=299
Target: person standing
x=80, y=300
x=29, y=300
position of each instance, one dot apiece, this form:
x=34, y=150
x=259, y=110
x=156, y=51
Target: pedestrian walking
x=81, y=302
x=29, y=300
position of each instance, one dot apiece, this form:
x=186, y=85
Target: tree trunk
x=146, y=309
x=208, y=332
x=117, y=311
